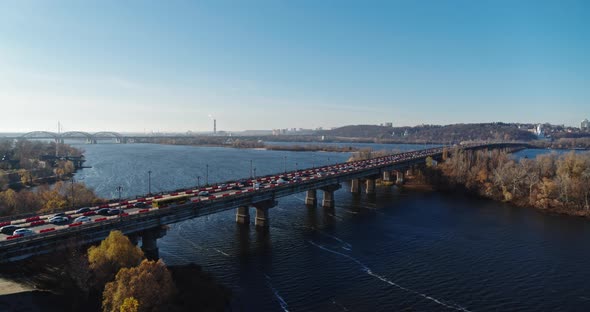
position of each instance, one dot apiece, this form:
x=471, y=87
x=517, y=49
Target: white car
x=83, y=219
x=24, y=232
x=203, y=193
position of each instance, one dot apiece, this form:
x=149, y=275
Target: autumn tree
x=113, y=253
x=150, y=283
x=129, y=305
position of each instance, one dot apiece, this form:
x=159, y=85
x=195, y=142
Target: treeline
x=210, y=141
x=435, y=133
x=368, y=153
x=28, y=162
x=25, y=154
x=46, y=198
x=564, y=143
x=551, y=182
x=116, y=276
x=311, y=148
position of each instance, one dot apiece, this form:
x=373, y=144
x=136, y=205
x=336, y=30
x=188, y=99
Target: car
x=8, y=229
x=203, y=193
x=83, y=210
x=103, y=211
x=24, y=232
x=235, y=187
x=59, y=220
x=281, y=181
x=61, y=214
x=83, y=219
x=140, y=205
x=114, y=211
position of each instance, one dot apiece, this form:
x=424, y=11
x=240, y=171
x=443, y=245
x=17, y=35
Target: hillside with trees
x=434, y=133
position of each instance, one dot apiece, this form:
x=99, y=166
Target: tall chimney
x=214, y=126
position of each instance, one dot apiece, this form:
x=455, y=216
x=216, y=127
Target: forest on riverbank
x=549, y=182
x=24, y=187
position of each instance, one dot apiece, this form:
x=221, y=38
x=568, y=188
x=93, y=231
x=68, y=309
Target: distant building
x=539, y=131
x=585, y=125
x=388, y=124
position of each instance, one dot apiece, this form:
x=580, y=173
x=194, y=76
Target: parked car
x=103, y=211
x=83, y=210
x=8, y=229
x=24, y=232
x=59, y=220
x=83, y=219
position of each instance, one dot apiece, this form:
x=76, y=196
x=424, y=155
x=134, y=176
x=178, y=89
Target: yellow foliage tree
x=113, y=253
x=150, y=282
x=129, y=305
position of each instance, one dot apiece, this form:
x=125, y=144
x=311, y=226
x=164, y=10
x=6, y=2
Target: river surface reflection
x=399, y=250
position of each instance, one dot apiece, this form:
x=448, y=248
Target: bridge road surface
x=41, y=225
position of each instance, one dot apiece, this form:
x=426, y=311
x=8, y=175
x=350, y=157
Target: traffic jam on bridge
x=41, y=224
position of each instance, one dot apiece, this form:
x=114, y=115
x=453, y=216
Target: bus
x=170, y=200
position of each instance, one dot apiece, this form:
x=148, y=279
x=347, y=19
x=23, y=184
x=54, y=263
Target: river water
x=401, y=250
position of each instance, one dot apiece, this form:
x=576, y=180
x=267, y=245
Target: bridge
x=92, y=138
x=146, y=217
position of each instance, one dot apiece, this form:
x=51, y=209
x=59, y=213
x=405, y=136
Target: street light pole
x=207, y=175
x=150, y=182
x=295, y=166
x=198, y=181
x=72, y=182
x=120, y=188
x=254, y=172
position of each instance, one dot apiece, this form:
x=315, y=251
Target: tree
x=113, y=253
x=150, y=283
x=3, y=180
x=26, y=177
x=129, y=305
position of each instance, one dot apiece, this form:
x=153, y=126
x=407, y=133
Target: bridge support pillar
x=262, y=220
x=311, y=198
x=149, y=244
x=328, y=199
x=386, y=176
x=400, y=177
x=355, y=186
x=370, y=187
x=243, y=215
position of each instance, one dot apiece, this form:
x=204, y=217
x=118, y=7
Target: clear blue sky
x=170, y=65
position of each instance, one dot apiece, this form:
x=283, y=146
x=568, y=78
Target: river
x=401, y=250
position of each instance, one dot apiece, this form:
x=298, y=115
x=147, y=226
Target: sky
x=172, y=66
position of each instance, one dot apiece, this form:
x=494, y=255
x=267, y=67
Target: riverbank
x=549, y=183
x=197, y=291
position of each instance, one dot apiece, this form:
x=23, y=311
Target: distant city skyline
x=173, y=66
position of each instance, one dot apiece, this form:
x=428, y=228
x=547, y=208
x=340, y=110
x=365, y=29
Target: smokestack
x=214, y=126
